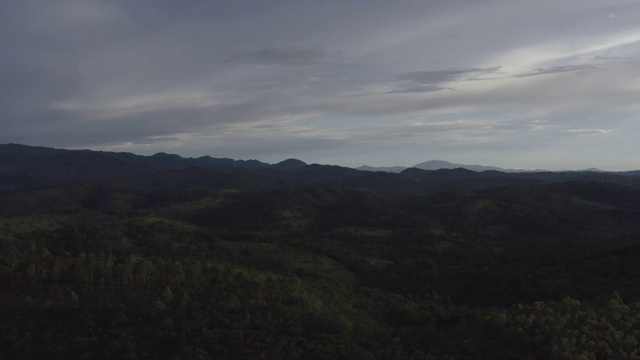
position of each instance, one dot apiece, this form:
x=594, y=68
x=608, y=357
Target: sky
x=512, y=83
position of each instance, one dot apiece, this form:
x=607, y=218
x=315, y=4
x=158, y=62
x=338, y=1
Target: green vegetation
x=100, y=270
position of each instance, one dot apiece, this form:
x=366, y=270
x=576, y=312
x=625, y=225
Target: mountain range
x=441, y=164
x=29, y=167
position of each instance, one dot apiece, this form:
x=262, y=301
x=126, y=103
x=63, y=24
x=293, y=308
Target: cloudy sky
x=513, y=83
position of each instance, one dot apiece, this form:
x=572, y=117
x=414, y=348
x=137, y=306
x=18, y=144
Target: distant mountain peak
x=458, y=170
x=289, y=164
x=391, y=169
x=164, y=155
x=439, y=163
x=442, y=164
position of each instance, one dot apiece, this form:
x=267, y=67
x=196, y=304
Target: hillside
x=175, y=260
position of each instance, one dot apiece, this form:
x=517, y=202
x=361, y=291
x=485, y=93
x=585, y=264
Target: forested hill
x=117, y=256
x=28, y=167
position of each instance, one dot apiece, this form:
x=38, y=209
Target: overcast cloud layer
x=533, y=84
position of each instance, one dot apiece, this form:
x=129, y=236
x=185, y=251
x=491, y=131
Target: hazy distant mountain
x=391, y=169
x=27, y=167
x=440, y=164
x=289, y=164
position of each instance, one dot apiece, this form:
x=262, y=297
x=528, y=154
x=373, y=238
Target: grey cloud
x=440, y=76
x=278, y=56
x=600, y=57
x=558, y=70
x=590, y=131
x=429, y=81
x=90, y=126
x=417, y=89
x=158, y=73
x=74, y=129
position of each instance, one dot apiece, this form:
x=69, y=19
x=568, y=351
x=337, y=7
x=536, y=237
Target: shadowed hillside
x=108, y=255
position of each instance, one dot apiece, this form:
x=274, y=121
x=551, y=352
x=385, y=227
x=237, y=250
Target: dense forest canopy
x=107, y=255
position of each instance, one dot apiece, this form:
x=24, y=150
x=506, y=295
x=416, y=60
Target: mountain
x=390, y=169
x=591, y=169
x=26, y=167
x=440, y=164
x=289, y=164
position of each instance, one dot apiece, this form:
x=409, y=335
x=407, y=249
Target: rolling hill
x=115, y=255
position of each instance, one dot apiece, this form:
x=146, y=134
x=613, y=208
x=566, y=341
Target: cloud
x=559, y=70
x=278, y=56
x=590, y=131
x=442, y=76
x=542, y=125
x=417, y=89
x=432, y=80
x=239, y=75
x=566, y=129
x=142, y=103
